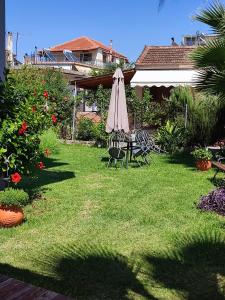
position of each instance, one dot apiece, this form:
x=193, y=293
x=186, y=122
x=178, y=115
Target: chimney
x=110, y=50
x=110, y=44
x=9, y=48
x=173, y=43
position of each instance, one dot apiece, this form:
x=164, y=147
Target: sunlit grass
x=137, y=212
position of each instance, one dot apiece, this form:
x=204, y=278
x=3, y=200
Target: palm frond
x=214, y=16
x=210, y=55
x=211, y=81
x=161, y=2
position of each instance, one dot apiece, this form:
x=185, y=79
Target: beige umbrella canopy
x=117, y=115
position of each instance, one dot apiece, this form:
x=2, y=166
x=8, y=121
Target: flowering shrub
x=40, y=165
x=15, y=177
x=214, y=201
x=30, y=104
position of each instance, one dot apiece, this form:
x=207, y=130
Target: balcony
x=44, y=60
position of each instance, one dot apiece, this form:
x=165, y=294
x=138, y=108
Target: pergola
x=106, y=80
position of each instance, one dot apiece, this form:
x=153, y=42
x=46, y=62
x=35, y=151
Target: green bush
x=171, y=137
x=179, y=97
x=49, y=140
x=203, y=119
x=86, y=130
x=202, y=114
x=101, y=136
x=202, y=154
x=13, y=197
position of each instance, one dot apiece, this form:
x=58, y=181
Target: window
x=190, y=41
x=104, y=58
x=86, y=57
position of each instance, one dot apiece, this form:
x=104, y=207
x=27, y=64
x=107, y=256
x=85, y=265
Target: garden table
x=130, y=141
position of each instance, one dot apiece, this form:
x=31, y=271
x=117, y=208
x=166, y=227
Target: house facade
x=163, y=67
x=197, y=39
x=81, y=54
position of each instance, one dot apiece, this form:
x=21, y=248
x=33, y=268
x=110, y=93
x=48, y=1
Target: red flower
x=45, y=94
x=16, y=178
x=34, y=109
x=47, y=152
x=40, y=165
x=54, y=119
x=23, y=128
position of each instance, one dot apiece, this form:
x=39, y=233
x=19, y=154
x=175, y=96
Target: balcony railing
x=45, y=60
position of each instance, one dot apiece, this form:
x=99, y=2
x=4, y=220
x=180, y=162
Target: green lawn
x=99, y=233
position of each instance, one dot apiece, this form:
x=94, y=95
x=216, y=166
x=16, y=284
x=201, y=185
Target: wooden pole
x=2, y=39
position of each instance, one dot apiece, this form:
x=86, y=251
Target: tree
x=111, y=67
x=210, y=58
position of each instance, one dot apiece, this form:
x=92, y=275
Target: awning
x=165, y=78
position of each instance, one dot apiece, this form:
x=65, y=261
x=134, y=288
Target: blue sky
x=131, y=24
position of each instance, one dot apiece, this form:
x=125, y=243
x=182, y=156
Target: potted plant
x=11, y=203
x=203, y=159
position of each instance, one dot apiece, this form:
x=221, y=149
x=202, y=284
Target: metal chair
x=115, y=148
x=116, y=155
x=142, y=148
x=145, y=136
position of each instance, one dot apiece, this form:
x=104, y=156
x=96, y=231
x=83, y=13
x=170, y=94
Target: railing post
x=2, y=39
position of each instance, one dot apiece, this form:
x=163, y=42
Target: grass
x=98, y=233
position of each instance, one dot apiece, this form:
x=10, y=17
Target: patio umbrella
x=117, y=115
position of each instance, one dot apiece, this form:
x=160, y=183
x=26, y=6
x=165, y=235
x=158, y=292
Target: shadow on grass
x=36, y=184
x=218, y=182
x=85, y=273
x=105, y=158
x=181, y=159
x=196, y=267
x=51, y=162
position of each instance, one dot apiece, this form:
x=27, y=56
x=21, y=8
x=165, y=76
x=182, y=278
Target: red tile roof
x=89, y=115
x=85, y=44
x=165, y=56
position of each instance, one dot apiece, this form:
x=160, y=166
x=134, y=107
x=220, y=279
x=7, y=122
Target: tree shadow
x=196, y=267
x=35, y=185
x=218, y=182
x=51, y=162
x=181, y=159
x=84, y=273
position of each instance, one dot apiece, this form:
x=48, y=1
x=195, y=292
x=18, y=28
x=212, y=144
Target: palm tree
x=210, y=58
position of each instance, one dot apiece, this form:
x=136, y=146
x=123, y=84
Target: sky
x=131, y=24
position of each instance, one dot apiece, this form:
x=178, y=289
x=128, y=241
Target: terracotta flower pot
x=11, y=216
x=203, y=165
